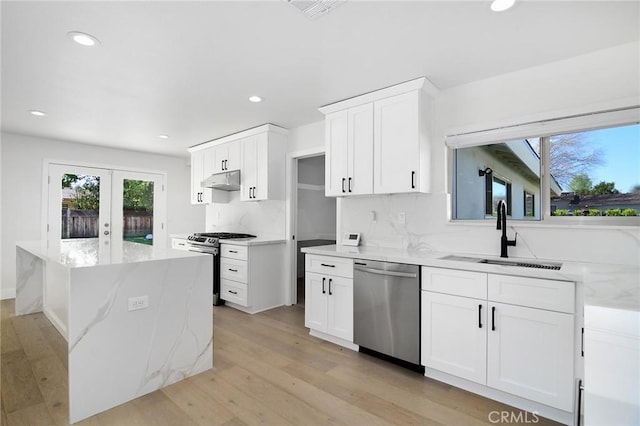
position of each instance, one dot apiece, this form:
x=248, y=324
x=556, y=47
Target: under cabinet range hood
x=226, y=181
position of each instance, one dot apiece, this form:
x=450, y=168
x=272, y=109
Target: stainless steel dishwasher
x=386, y=304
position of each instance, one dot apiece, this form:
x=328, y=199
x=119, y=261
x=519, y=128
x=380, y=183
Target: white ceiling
x=186, y=69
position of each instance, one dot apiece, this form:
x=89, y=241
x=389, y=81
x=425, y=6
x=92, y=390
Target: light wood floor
x=268, y=370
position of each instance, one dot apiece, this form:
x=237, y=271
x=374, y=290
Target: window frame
x=544, y=129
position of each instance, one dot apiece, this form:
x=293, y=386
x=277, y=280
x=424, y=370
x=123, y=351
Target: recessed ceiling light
x=163, y=137
x=502, y=5
x=38, y=113
x=255, y=98
x=83, y=39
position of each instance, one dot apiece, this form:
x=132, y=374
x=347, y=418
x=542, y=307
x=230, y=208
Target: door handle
x=323, y=280
x=343, y=179
x=413, y=180
x=330, y=279
x=225, y=165
x=349, y=184
x=479, y=316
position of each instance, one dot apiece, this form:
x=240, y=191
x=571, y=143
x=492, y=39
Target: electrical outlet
x=140, y=302
x=402, y=218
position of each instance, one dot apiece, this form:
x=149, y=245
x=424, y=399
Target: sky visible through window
x=621, y=148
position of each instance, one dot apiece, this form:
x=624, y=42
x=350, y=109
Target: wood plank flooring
x=268, y=370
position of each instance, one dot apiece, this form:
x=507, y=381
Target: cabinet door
x=454, y=335
x=261, y=183
x=316, y=294
x=201, y=167
x=530, y=354
x=337, y=152
x=248, y=174
x=360, y=150
x=340, y=307
x=396, y=144
x=232, y=155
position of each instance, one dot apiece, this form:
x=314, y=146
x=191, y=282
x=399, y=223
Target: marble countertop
x=257, y=241
x=86, y=252
x=614, y=286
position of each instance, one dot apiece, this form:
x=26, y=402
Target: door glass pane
x=137, y=206
x=80, y=206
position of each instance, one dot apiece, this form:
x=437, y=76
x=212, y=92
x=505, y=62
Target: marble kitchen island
x=136, y=318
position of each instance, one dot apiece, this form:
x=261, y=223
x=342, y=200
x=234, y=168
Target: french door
x=110, y=206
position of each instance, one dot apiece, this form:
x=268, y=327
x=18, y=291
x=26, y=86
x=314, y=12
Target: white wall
x=575, y=84
x=21, y=184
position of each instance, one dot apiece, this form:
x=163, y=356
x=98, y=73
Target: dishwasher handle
x=383, y=272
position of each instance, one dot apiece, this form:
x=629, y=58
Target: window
x=589, y=173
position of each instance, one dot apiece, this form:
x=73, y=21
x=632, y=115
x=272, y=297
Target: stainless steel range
x=209, y=243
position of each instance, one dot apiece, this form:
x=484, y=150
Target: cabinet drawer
x=234, y=252
x=233, y=269
x=451, y=281
x=533, y=292
x=232, y=291
x=338, y=266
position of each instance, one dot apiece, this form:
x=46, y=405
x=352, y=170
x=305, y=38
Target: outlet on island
x=140, y=302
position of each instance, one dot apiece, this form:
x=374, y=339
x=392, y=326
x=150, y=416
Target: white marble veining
x=264, y=218
x=615, y=286
x=427, y=227
x=117, y=354
x=29, y=277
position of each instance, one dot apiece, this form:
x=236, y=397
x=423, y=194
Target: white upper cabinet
x=201, y=167
x=226, y=157
x=259, y=155
x=379, y=143
x=396, y=144
x=263, y=166
x=350, y=148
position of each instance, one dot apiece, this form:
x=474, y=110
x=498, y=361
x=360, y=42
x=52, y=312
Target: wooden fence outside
x=84, y=223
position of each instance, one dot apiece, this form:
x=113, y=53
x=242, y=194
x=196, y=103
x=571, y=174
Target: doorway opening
x=315, y=214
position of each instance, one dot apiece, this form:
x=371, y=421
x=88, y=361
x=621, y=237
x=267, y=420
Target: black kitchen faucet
x=502, y=224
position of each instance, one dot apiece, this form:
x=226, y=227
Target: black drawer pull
x=413, y=180
x=330, y=279
x=233, y=251
x=323, y=290
x=327, y=265
x=233, y=292
x=479, y=316
x=233, y=270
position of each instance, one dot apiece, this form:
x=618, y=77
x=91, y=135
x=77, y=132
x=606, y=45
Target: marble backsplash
x=426, y=227
x=265, y=219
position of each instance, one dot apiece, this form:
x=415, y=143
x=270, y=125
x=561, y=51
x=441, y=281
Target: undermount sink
x=518, y=263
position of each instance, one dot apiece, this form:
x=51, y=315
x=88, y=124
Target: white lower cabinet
x=521, y=350
x=329, y=297
x=530, y=354
x=251, y=277
x=454, y=335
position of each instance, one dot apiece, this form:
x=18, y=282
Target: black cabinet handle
x=349, y=184
x=232, y=292
x=233, y=270
x=254, y=192
x=330, y=279
x=413, y=180
x=343, y=179
x=493, y=318
x=233, y=251
x=323, y=279
x=221, y=164
x=479, y=316
x=327, y=265
x=226, y=167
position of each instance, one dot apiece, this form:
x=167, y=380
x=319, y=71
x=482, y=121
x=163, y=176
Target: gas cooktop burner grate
x=224, y=235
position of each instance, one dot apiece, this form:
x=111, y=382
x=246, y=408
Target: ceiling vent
x=313, y=9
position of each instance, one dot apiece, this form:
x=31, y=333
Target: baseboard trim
x=7, y=293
